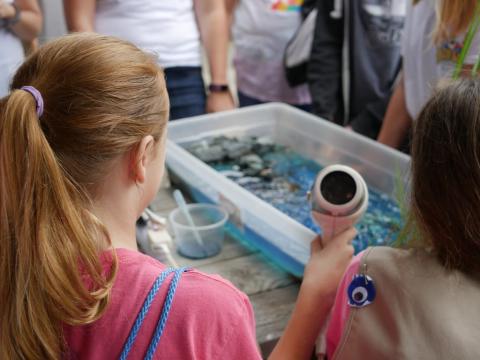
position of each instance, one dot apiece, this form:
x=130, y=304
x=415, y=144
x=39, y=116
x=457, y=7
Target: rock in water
x=281, y=177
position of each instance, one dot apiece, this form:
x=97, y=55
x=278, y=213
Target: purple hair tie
x=38, y=98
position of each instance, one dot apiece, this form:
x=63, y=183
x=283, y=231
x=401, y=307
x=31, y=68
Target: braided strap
x=143, y=312
x=164, y=316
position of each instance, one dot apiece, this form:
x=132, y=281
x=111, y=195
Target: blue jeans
x=246, y=100
x=186, y=91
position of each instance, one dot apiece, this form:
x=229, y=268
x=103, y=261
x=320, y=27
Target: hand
x=220, y=101
x=328, y=264
x=321, y=278
x=7, y=11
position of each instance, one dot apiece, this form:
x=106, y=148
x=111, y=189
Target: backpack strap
x=146, y=307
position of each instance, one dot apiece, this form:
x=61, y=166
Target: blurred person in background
x=174, y=31
x=261, y=30
x=355, y=61
x=20, y=21
x=435, y=34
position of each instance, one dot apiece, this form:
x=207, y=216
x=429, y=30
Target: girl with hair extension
x=441, y=40
x=422, y=302
x=82, y=147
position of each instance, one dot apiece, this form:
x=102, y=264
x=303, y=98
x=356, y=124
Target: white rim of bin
x=284, y=223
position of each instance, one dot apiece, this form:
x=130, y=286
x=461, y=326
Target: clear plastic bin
x=281, y=238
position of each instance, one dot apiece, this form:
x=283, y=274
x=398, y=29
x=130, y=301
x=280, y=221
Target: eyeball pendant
x=361, y=291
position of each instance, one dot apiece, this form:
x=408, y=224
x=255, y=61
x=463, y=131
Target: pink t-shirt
x=209, y=318
x=341, y=310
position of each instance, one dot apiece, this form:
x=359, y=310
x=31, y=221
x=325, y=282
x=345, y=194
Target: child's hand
x=327, y=265
x=320, y=280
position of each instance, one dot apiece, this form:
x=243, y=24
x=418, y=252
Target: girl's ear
x=140, y=156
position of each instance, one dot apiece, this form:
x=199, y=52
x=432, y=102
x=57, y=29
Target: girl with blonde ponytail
x=82, y=137
x=82, y=148
x=101, y=98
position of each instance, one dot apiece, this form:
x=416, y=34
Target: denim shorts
x=186, y=91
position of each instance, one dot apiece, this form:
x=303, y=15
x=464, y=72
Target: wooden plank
x=251, y=274
x=274, y=305
x=272, y=311
x=273, y=332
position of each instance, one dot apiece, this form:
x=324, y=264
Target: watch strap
x=218, y=88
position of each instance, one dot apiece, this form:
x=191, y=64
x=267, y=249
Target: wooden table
x=271, y=290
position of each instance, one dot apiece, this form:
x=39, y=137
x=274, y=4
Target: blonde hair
x=102, y=96
x=453, y=18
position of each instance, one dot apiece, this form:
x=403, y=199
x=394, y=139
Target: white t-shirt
x=425, y=63
x=261, y=31
x=166, y=28
x=11, y=56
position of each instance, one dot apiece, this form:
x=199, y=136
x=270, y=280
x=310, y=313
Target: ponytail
x=101, y=97
x=50, y=265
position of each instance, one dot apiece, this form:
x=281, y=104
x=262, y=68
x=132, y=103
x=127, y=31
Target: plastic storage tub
x=278, y=236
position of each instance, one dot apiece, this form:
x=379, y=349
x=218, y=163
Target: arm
x=317, y=292
x=298, y=340
x=230, y=4
x=80, y=15
x=29, y=24
x=213, y=23
x=324, y=73
x=397, y=121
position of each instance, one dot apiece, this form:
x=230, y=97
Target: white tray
x=281, y=238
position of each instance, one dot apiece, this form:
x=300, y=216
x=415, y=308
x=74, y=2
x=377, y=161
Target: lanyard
x=146, y=307
x=472, y=30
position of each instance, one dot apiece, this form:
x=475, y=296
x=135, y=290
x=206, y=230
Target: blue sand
x=293, y=177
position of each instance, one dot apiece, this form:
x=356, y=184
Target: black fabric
x=296, y=75
x=308, y=5
x=374, y=28
x=375, y=59
x=324, y=73
x=369, y=121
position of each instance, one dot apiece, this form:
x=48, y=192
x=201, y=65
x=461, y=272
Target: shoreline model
x=258, y=163
x=282, y=178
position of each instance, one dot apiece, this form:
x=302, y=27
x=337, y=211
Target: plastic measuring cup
x=209, y=223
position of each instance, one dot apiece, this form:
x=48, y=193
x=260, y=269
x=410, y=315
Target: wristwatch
x=218, y=88
x=13, y=20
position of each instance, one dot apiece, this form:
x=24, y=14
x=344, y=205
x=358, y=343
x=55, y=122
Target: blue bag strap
x=165, y=311
x=146, y=307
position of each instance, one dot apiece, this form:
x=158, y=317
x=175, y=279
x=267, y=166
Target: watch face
x=338, y=188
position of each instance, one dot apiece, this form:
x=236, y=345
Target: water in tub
x=282, y=178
